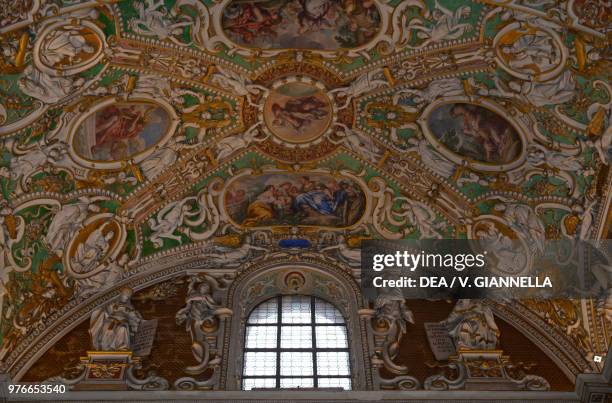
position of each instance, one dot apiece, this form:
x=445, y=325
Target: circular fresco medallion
x=120, y=131
x=298, y=112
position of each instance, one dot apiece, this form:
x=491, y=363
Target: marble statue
x=153, y=20
x=525, y=222
x=360, y=144
x=229, y=145
x=391, y=306
x=24, y=166
x=233, y=256
x=236, y=84
x=114, y=326
x=447, y=25
x=65, y=45
x=46, y=88
x=169, y=220
x=471, y=326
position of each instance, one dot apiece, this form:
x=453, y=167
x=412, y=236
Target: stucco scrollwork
x=202, y=317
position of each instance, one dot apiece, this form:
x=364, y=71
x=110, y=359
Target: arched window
x=296, y=342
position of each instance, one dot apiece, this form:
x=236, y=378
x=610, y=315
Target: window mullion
x=314, y=342
x=294, y=347
x=279, y=321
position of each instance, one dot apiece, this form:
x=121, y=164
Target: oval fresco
x=91, y=246
x=526, y=52
x=283, y=199
x=475, y=132
x=70, y=46
x=301, y=24
x=120, y=131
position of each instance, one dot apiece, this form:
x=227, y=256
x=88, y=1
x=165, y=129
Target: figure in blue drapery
x=321, y=199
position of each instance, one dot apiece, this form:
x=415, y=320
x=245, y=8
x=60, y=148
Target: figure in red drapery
x=116, y=124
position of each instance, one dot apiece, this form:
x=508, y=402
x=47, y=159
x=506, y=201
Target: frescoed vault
x=143, y=141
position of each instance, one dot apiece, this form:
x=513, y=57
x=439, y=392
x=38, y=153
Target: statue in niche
x=114, y=326
x=471, y=326
x=200, y=318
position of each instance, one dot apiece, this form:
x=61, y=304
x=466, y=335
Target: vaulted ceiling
x=142, y=134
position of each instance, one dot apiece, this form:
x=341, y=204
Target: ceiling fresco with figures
x=141, y=134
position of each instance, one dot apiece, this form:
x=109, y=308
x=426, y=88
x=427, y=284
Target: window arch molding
x=326, y=282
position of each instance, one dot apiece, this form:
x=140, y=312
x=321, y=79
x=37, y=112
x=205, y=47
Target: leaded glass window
x=296, y=341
